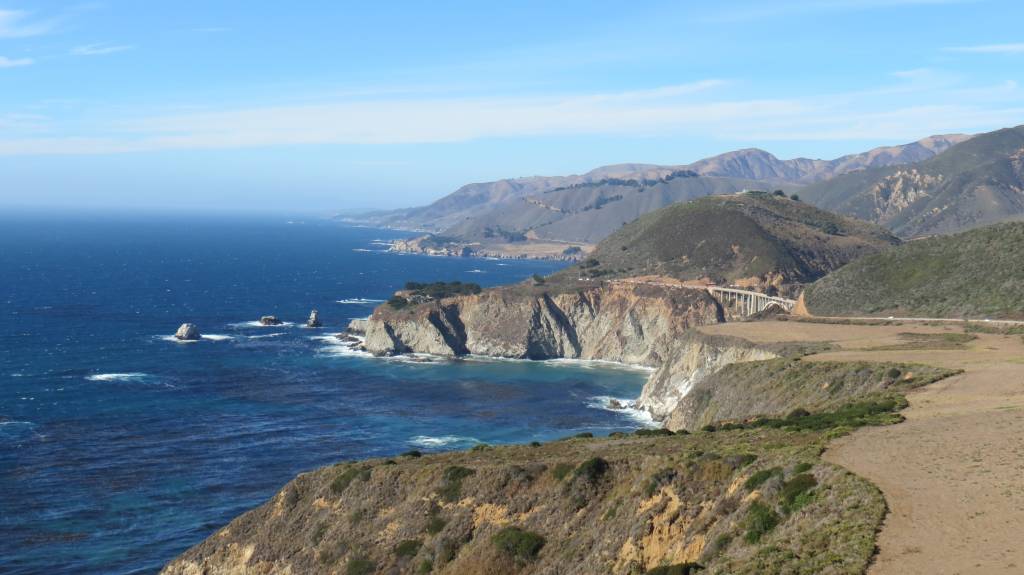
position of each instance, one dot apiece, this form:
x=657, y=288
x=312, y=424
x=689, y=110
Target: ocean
x=120, y=448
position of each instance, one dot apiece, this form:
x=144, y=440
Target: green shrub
x=560, y=470
x=761, y=519
x=656, y=432
x=584, y=435
x=360, y=566
x=592, y=469
x=439, y=290
x=798, y=413
x=760, y=476
x=881, y=410
x=426, y=566
x=520, y=545
x=408, y=548
x=677, y=569
x=535, y=444
x=435, y=524
x=413, y=453
x=342, y=481
x=718, y=545
x=656, y=481
x=398, y=302
x=451, y=486
x=893, y=373
x=803, y=467
x=741, y=460
x=795, y=488
x=708, y=428
x=481, y=447
x=318, y=533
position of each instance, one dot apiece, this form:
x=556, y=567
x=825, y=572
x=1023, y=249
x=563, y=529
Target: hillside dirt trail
x=953, y=472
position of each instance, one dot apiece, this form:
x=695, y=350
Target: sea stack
x=269, y=320
x=314, y=319
x=188, y=332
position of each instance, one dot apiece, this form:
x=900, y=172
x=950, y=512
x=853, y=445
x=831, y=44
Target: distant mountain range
x=974, y=183
x=571, y=213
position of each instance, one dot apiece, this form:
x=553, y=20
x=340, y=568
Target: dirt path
x=953, y=473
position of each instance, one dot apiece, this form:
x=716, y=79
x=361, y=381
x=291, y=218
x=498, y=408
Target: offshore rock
x=188, y=332
x=269, y=320
x=314, y=319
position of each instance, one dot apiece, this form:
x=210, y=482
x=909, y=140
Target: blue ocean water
x=119, y=448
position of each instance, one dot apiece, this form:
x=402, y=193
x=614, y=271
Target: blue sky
x=323, y=105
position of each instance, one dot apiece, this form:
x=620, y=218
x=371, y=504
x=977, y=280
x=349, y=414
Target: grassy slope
x=973, y=274
x=744, y=390
x=649, y=501
x=738, y=236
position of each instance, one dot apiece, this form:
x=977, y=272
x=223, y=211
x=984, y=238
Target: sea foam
x=629, y=409
x=429, y=442
x=131, y=376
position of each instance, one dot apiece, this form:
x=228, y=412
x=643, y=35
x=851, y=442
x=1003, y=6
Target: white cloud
x=6, y=62
x=99, y=49
x=740, y=12
x=686, y=110
x=17, y=24
x=1017, y=48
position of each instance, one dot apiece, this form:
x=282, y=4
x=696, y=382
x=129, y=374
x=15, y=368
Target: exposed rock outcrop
x=269, y=320
x=314, y=319
x=357, y=326
x=188, y=332
x=640, y=325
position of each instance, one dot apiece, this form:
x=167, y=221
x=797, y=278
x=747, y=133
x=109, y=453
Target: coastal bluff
x=641, y=325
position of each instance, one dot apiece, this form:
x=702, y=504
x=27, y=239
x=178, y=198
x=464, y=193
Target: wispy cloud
x=99, y=49
x=697, y=109
x=1015, y=48
x=20, y=24
x=738, y=12
x=6, y=62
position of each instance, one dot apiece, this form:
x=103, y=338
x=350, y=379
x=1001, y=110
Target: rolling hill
x=756, y=239
x=974, y=183
x=975, y=274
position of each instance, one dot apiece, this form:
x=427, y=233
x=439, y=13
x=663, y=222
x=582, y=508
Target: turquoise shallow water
x=119, y=449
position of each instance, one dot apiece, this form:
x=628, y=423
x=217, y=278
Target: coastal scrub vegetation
x=439, y=290
x=974, y=274
x=529, y=509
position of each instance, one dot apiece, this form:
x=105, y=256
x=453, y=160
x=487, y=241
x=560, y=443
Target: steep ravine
x=641, y=325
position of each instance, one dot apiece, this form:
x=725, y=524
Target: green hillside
x=725, y=238
x=975, y=274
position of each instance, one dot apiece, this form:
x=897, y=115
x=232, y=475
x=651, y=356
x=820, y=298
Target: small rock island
x=314, y=319
x=270, y=320
x=188, y=332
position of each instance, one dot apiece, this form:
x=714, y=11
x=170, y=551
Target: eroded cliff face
x=693, y=359
x=644, y=325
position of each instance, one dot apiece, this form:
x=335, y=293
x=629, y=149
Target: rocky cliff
x=643, y=325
